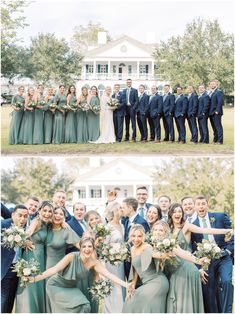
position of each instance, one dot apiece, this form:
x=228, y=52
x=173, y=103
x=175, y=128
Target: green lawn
x=123, y=147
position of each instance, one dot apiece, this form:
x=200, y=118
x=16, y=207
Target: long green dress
x=16, y=120
x=66, y=293
x=93, y=121
x=38, y=136
x=32, y=299
x=70, y=123
x=82, y=129
x=151, y=296
x=59, y=120
x=48, y=122
x=185, y=294
x=27, y=126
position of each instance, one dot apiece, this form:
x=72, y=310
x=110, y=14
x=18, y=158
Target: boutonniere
x=212, y=220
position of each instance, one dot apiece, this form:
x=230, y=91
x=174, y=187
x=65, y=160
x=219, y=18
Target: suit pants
x=157, y=127
x=130, y=116
x=8, y=291
x=193, y=128
x=118, y=120
x=169, y=128
x=180, y=123
x=151, y=126
x=142, y=124
x=203, y=129
x=217, y=127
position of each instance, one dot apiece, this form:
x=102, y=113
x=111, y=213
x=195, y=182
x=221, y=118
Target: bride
x=107, y=134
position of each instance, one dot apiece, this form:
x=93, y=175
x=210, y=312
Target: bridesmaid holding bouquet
x=82, y=130
x=70, y=120
x=59, y=121
x=93, y=116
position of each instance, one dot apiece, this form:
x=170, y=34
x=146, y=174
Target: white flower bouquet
x=101, y=289
x=13, y=237
x=113, y=103
x=24, y=269
x=101, y=230
x=115, y=253
x=42, y=103
x=84, y=106
x=53, y=106
x=209, y=250
x=96, y=109
x=32, y=104
x=18, y=104
x=166, y=245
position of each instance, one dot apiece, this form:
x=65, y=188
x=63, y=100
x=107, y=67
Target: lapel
x=212, y=219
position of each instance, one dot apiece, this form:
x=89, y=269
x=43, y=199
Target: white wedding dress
x=114, y=302
x=107, y=134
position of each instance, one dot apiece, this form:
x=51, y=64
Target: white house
x=117, y=61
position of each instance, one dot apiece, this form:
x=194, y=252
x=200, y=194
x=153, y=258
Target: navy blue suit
x=118, y=116
x=5, y=212
x=130, y=111
x=142, y=109
x=191, y=116
x=9, y=280
x=76, y=226
x=220, y=271
x=181, y=106
x=168, y=114
x=216, y=105
x=202, y=115
x=156, y=109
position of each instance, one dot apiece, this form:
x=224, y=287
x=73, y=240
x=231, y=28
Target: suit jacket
x=203, y=105
x=7, y=255
x=122, y=107
x=192, y=105
x=138, y=220
x=143, y=105
x=156, y=106
x=216, y=102
x=221, y=220
x=168, y=104
x=181, y=106
x=133, y=98
x=5, y=212
x=76, y=226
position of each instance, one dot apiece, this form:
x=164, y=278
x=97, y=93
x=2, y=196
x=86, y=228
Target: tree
x=85, y=36
x=33, y=176
x=203, y=53
x=212, y=177
x=53, y=61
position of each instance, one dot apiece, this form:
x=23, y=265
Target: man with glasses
x=142, y=196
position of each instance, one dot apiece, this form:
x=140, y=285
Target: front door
x=120, y=73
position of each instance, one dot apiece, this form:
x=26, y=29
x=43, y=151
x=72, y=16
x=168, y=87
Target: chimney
x=102, y=38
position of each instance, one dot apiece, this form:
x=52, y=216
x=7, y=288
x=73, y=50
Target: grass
x=122, y=148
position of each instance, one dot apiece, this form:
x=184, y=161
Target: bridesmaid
x=27, y=125
x=17, y=104
x=48, y=116
x=93, y=118
x=114, y=302
x=32, y=299
x=64, y=288
x=153, y=214
x=59, y=120
x=92, y=218
x=38, y=136
x=82, y=131
x=70, y=120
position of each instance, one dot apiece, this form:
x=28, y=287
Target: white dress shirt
x=210, y=236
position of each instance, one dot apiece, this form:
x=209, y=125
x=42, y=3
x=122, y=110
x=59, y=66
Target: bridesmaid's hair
x=137, y=227
x=69, y=89
x=60, y=207
x=87, y=239
x=171, y=212
x=164, y=224
x=111, y=209
x=97, y=94
x=159, y=212
x=61, y=86
x=46, y=203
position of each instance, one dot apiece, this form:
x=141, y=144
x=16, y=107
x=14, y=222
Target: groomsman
x=220, y=270
x=148, y=116
x=142, y=196
x=192, y=113
x=168, y=114
x=216, y=112
x=202, y=114
x=59, y=199
x=142, y=110
x=119, y=113
x=130, y=99
x=181, y=106
x=156, y=109
x=164, y=202
x=188, y=208
x=9, y=280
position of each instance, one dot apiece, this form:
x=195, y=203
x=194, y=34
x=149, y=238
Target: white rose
x=166, y=242
x=118, y=256
x=207, y=247
x=10, y=238
x=112, y=251
x=18, y=238
x=8, y=231
x=116, y=246
x=217, y=249
x=34, y=268
x=26, y=271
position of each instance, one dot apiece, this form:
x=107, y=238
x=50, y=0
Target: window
x=114, y=69
x=95, y=193
x=102, y=68
x=129, y=69
x=125, y=193
x=89, y=68
x=143, y=69
x=81, y=193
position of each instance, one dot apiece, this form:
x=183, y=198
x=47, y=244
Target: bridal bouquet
x=19, y=104
x=63, y=107
x=101, y=230
x=113, y=103
x=24, y=269
x=13, y=237
x=96, y=109
x=101, y=289
x=115, y=253
x=74, y=106
x=84, y=106
x=53, y=106
x=209, y=250
x=166, y=245
x=32, y=105
x=42, y=103
x=149, y=238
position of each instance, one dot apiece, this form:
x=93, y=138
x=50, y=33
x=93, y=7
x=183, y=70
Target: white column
x=138, y=69
x=103, y=194
x=75, y=195
x=152, y=69
x=87, y=192
x=150, y=197
x=94, y=69
x=109, y=70
x=84, y=72
x=134, y=190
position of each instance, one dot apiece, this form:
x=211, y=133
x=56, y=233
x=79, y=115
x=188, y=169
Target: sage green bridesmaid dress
x=48, y=122
x=70, y=123
x=151, y=296
x=27, y=126
x=16, y=120
x=82, y=129
x=68, y=290
x=93, y=121
x=59, y=120
x=32, y=299
x=185, y=294
x=38, y=131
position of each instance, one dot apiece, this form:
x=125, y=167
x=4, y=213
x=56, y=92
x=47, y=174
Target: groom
x=119, y=113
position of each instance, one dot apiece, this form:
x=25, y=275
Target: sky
x=135, y=18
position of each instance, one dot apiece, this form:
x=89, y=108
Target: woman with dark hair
x=17, y=104
x=82, y=102
x=32, y=299
x=38, y=136
x=59, y=121
x=93, y=115
x=48, y=116
x=153, y=214
x=71, y=278
x=70, y=120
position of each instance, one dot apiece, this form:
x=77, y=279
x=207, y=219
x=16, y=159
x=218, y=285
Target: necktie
x=190, y=219
x=83, y=225
x=141, y=212
x=164, y=97
x=204, y=224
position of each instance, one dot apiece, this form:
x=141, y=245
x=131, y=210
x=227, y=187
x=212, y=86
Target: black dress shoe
x=165, y=140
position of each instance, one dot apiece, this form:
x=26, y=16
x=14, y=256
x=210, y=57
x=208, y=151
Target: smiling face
x=62, y=89
x=201, y=207
x=21, y=90
x=93, y=220
x=59, y=198
x=84, y=91
x=94, y=91
x=152, y=215
x=108, y=90
x=46, y=214
x=79, y=211
x=188, y=206
x=164, y=204
x=86, y=249
x=32, y=206
x=72, y=89
x=58, y=216
x=177, y=215
x=136, y=238
x=142, y=196
x=128, y=83
x=159, y=232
